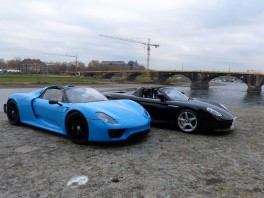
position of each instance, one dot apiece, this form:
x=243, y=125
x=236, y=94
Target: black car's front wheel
x=12, y=112
x=188, y=121
x=77, y=128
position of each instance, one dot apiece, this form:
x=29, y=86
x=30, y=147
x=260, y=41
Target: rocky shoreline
x=165, y=163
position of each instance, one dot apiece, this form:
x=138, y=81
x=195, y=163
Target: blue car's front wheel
x=77, y=128
x=12, y=112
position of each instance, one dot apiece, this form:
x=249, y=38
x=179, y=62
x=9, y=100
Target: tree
x=2, y=64
x=13, y=64
x=93, y=65
x=132, y=63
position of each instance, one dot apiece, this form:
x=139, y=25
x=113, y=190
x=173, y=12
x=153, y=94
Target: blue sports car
x=83, y=114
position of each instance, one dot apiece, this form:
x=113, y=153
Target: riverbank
x=95, y=84
x=101, y=84
x=165, y=163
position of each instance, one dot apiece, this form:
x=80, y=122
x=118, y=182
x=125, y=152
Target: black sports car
x=168, y=105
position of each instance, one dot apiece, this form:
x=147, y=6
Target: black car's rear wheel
x=77, y=128
x=12, y=112
x=188, y=121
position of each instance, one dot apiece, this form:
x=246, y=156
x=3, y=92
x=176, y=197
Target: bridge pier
x=198, y=81
x=254, y=83
x=253, y=88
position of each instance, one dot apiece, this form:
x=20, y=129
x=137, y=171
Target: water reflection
x=254, y=98
x=230, y=94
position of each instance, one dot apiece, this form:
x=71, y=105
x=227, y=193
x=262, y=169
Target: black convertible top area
x=171, y=93
x=150, y=92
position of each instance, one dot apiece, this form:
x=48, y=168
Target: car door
x=47, y=113
x=158, y=110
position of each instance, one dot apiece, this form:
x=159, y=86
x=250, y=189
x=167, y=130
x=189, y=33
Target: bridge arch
x=164, y=77
x=109, y=75
x=201, y=80
x=92, y=75
x=204, y=80
x=133, y=76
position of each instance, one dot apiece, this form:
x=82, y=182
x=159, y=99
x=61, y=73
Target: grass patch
x=46, y=79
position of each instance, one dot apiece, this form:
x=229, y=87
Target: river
x=229, y=94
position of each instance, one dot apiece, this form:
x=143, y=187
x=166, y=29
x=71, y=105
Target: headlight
x=214, y=112
x=105, y=118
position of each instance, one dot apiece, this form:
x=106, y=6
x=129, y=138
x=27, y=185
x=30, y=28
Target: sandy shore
x=165, y=163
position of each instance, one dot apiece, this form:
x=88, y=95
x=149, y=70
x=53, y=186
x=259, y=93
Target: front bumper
x=220, y=125
x=102, y=132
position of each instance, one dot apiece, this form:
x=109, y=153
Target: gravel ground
x=165, y=163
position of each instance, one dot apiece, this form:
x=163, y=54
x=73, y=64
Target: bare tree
x=93, y=65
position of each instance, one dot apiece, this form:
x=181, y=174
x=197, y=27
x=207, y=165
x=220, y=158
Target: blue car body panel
x=129, y=115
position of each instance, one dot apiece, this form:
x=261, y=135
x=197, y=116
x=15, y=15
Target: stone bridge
x=199, y=79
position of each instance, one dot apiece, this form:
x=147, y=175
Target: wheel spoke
x=182, y=119
x=185, y=125
x=14, y=115
x=191, y=126
x=193, y=119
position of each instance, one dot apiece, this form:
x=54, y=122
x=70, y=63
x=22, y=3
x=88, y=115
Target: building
x=113, y=63
x=35, y=66
x=119, y=65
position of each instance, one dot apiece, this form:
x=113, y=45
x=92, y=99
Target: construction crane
x=76, y=58
x=148, y=44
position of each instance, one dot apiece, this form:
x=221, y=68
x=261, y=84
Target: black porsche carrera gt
x=168, y=105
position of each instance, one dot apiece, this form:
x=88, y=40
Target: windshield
x=173, y=94
x=83, y=95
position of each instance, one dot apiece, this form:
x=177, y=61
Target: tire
x=188, y=121
x=77, y=128
x=12, y=112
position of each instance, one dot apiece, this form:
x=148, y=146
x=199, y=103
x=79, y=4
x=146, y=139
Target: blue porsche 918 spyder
x=83, y=114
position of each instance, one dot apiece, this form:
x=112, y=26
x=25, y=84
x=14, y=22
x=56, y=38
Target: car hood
x=216, y=106
x=117, y=109
x=203, y=105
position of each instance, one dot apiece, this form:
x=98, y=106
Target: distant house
x=119, y=65
x=113, y=63
x=32, y=66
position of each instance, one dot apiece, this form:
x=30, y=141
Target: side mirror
x=55, y=102
x=108, y=97
x=161, y=97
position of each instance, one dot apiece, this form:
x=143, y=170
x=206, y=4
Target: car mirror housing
x=161, y=97
x=54, y=102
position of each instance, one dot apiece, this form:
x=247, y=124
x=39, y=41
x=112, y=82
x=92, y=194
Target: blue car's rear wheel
x=188, y=121
x=77, y=128
x=12, y=112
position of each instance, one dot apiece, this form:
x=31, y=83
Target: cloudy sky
x=193, y=34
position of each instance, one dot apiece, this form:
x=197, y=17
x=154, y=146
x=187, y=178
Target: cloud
x=196, y=34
